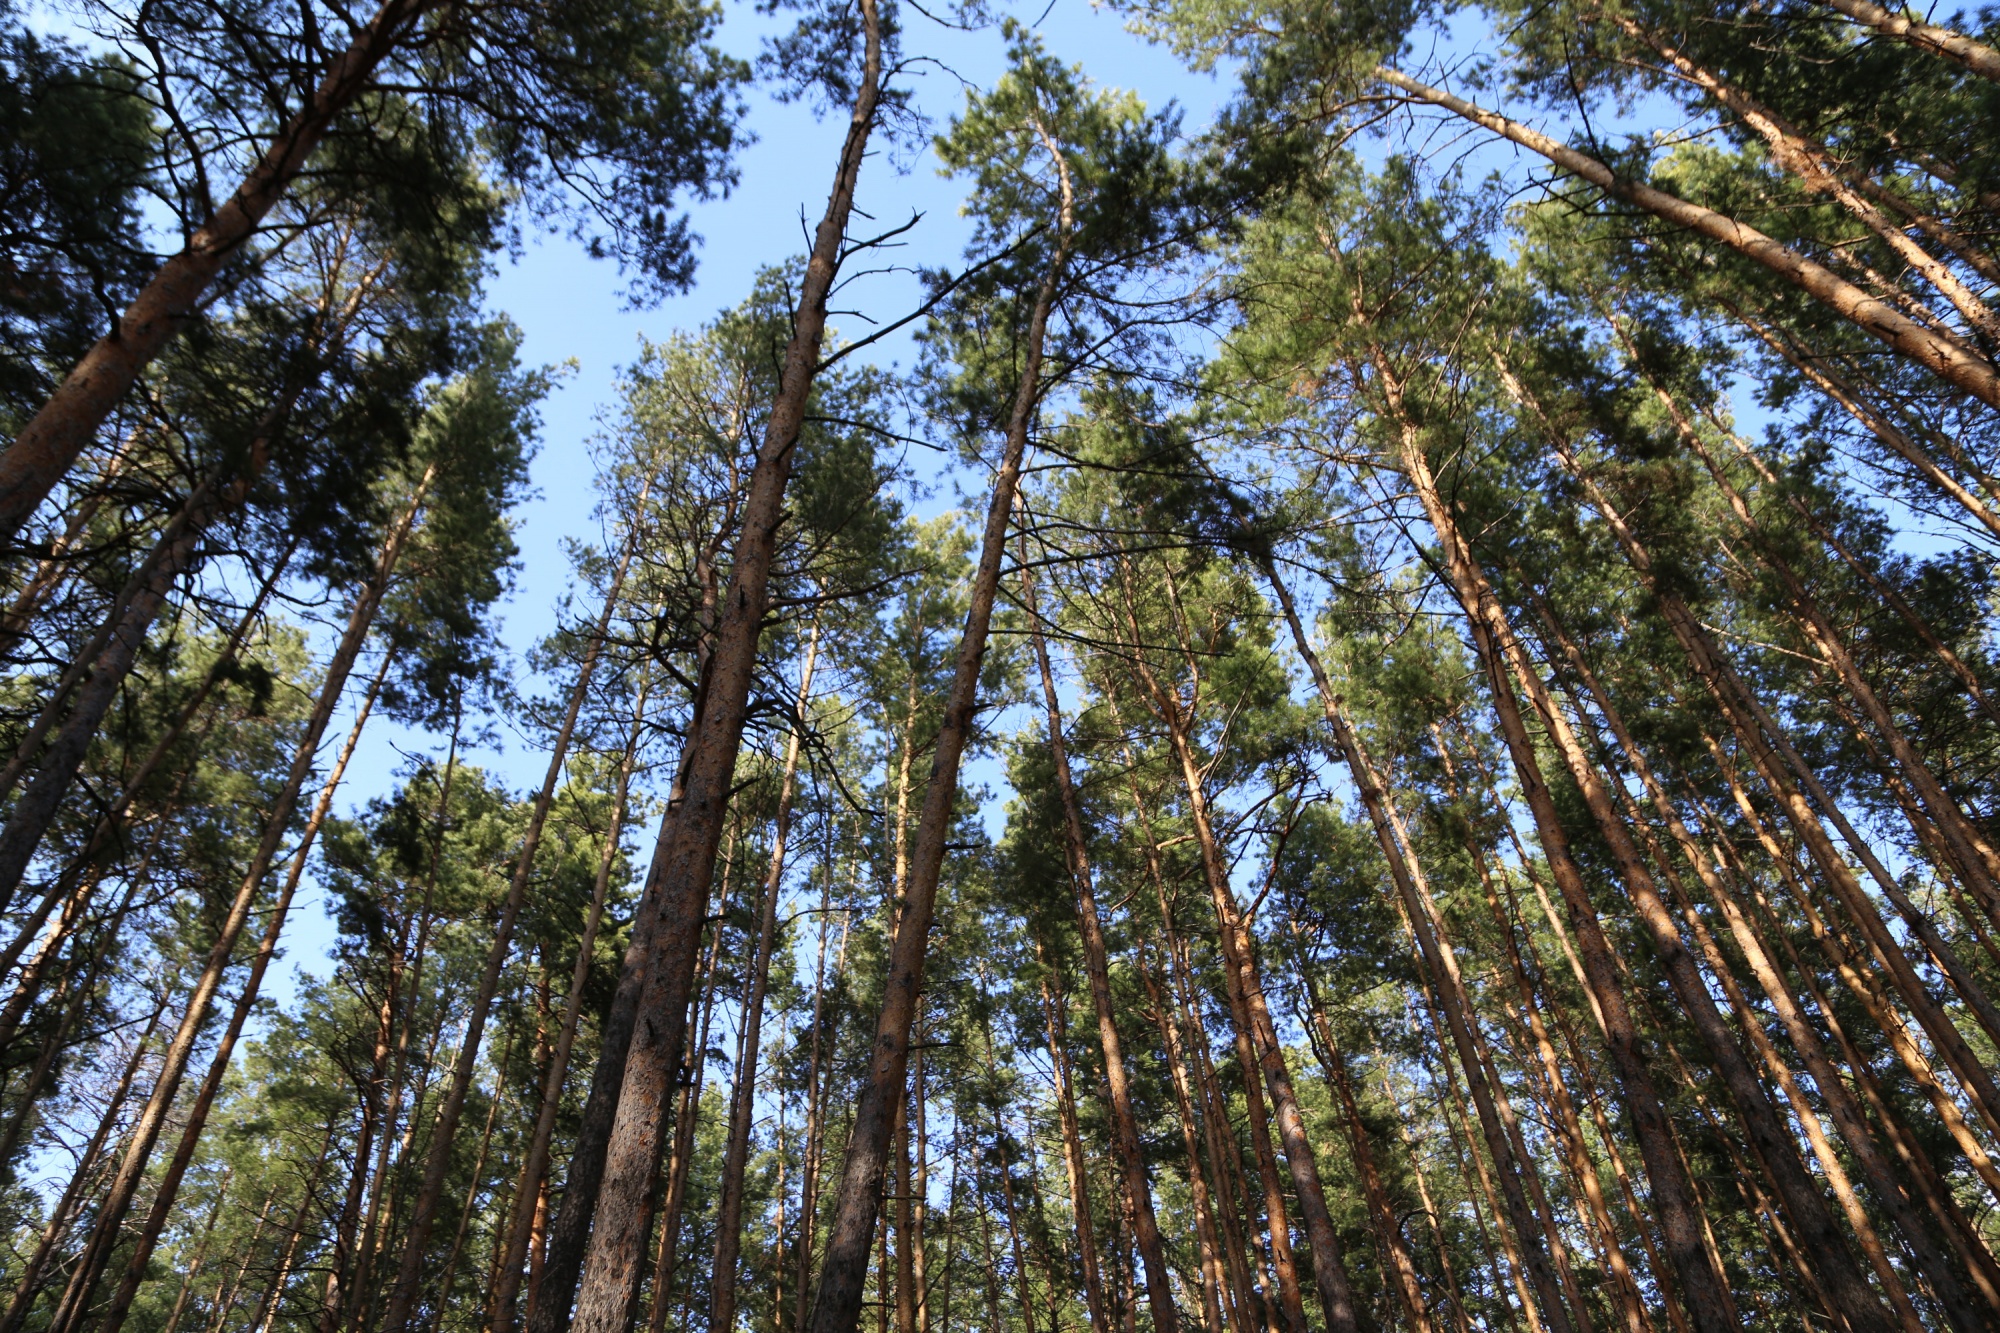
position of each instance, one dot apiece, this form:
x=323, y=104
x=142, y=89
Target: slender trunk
x=1816, y=169
x=114, y=814
x=1075, y=1167
x=196, y=1116
x=1973, y=858
x=53, y=570
x=29, y=1285
x=1569, y=1127
x=49, y=445
x=531, y=1214
x=1846, y=1113
x=1090, y=929
x=1022, y=1278
x=399, y=1020
x=226, y=1293
x=815, y=1106
x=838, y=1307
x=1701, y=1281
x=409, y=1273
x=180, y=1048
x=1420, y=914
x=100, y=681
x=1247, y=992
x=1817, y=370
x=1465, y=1148
x=684, y=864
x=1388, y=1230
x=919, y=1195
x=200, y=1256
x=736, y=1152
x=465, y=1211
x=1246, y=1308
x=274, y=1294
x=1214, y=1282
x=1461, y=1319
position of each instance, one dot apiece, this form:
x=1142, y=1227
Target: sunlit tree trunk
x=684, y=864
x=1701, y=1281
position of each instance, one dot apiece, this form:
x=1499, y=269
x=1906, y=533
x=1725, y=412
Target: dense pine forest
x=1376, y=709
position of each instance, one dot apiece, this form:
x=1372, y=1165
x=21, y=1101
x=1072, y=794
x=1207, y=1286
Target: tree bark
x=1701, y=1281
x=409, y=1272
x=49, y=445
x=736, y=1153
x=844, y=1270
x=533, y=1189
x=1940, y=353
x=1939, y=41
x=1097, y=970
x=687, y=1119
x=1442, y=963
x=684, y=865
x=180, y=1048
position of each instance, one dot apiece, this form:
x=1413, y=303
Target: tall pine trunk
x=532, y=1192
x=684, y=864
x=404, y=1294
x=180, y=1048
x=736, y=1151
x=1097, y=970
x=1442, y=963
x=883, y=1093
x=1701, y=1281
x=49, y=445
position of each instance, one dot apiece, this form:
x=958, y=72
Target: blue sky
x=571, y=309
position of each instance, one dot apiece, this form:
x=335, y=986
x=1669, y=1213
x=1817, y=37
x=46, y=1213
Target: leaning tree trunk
x=844, y=1270
x=1442, y=963
x=115, y=649
x=1939, y=41
x=113, y=815
x=1702, y=1283
x=174, y=1061
x=1846, y=1112
x=1330, y=1278
x=1075, y=1168
x=102, y=681
x=1937, y=351
x=416, y=1241
x=1214, y=1282
x=29, y=1285
x=49, y=445
x=1847, y=1288
x=534, y=1171
x=1409, y=1286
x=196, y=1116
x=683, y=871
